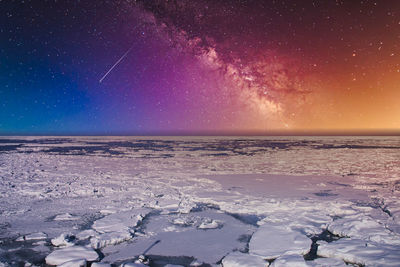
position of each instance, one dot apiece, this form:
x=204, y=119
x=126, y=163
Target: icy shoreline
x=200, y=202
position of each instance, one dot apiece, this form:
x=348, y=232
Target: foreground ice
x=189, y=201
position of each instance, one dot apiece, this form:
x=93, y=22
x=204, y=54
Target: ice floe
x=360, y=226
x=33, y=236
x=271, y=241
x=116, y=228
x=361, y=252
x=73, y=253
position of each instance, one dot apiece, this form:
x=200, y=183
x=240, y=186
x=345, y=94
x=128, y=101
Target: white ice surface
x=33, y=236
x=74, y=263
x=327, y=262
x=361, y=252
x=116, y=228
x=62, y=240
x=294, y=260
x=239, y=259
x=63, y=255
x=271, y=241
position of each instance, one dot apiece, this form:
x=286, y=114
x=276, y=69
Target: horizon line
x=391, y=132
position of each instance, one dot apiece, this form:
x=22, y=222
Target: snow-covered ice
x=74, y=253
x=361, y=252
x=272, y=241
x=189, y=201
x=33, y=236
x=63, y=240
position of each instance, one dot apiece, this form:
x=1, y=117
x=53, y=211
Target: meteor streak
x=116, y=63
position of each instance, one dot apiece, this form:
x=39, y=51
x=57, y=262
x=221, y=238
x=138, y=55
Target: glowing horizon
x=200, y=67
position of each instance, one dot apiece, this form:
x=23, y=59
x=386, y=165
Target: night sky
x=199, y=67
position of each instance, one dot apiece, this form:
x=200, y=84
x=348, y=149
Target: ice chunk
x=289, y=260
x=238, y=259
x=34, y=236
x=360, y=226
x=361, y=252
x=271, y=241
x=111, y=238
x=183, y=221
x=173, y=265
x=210, y=224
x=63, y=240
x=74, y=263
x=116, y=228
x=63, y=255
x=85, y=234
x=119, y=222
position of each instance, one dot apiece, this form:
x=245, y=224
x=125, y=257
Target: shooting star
x=116, y=63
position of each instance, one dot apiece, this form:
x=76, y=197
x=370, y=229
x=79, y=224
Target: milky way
x=199, y=66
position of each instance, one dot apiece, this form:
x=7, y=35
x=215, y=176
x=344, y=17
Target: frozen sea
x=200, y=201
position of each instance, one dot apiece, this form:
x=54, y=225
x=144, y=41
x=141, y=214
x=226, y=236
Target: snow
x=73, y=253
x=239, y=259
x=271, y=241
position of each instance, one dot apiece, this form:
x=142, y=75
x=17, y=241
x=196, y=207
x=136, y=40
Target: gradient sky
x=199, y=66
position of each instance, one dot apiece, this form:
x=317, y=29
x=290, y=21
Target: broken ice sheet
x=201, y=206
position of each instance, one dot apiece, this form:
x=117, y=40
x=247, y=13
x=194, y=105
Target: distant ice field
x=199, y=201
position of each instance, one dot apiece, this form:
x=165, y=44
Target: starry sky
x=199, y=67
